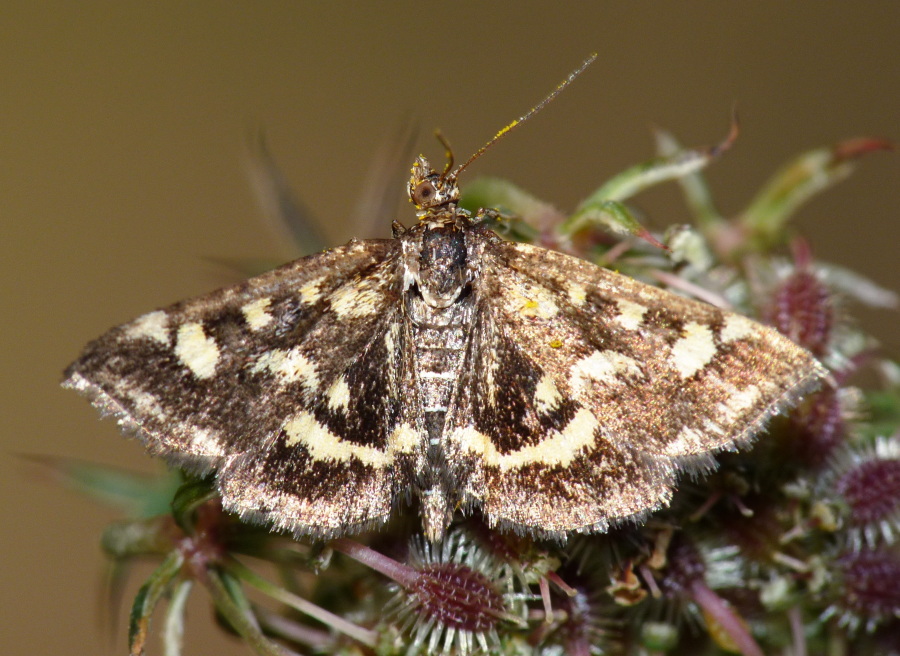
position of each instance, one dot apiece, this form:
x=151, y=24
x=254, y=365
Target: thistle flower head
x=684, y=566
x=868, y=481
x=757, y=531
x=682, y=583
x=585, y=618
x=587, y=627
x=820, y=426
x=802, y=307
x=455, y=603
x=869, y=594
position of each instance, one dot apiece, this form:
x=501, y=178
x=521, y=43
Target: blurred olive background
x=123, y=150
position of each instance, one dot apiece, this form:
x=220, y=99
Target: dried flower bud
x=626, y=588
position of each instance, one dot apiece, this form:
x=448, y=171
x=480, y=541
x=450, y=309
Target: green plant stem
x=146, y=599
x=365, y=636
x=173, y=633
x=238, y=618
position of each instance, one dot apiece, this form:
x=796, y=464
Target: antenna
x=448, y=153
x=531, y=112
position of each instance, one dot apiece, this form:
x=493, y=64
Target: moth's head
x=429, y=189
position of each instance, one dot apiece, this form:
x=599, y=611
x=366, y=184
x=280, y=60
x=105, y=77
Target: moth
x=448, y=368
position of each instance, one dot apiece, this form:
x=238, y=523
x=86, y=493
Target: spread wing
x=585, y=391
x=283, y=384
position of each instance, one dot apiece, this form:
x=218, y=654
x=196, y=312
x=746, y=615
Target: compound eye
x=424, y=193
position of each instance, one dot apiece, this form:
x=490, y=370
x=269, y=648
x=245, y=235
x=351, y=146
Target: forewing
x=253, y=373
x=339, y=462
x=585, y=390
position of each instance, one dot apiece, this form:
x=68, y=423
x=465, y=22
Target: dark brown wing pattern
x=585, y=391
